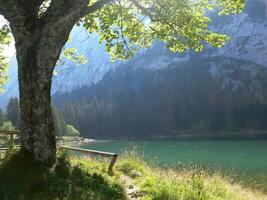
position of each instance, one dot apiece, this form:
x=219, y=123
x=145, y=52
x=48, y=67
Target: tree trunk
x=37, y=125
x=35, y=77
x=39, y=41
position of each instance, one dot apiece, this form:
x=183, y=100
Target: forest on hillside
x=191, y=97
x=10, y=120
x=200, y=96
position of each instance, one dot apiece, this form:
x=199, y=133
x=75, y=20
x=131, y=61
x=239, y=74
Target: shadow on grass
x=21, y=177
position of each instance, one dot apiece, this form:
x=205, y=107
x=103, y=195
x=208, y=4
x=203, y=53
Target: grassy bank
x=187, y=184
x=23, y=178
x=83, y=178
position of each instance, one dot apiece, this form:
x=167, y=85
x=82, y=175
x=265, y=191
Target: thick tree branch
x=7, y=9
x=96, y=6
x=146, y=11
x=3, y=9
x=138, y=5
x=31, y=6
x=61, y=11
x=62, y=15
x=22, y=16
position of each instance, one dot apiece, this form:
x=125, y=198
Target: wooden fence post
x=11, y=139
x=97, y=153
x=112, y=163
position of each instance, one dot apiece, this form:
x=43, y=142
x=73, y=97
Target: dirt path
x=132, y=190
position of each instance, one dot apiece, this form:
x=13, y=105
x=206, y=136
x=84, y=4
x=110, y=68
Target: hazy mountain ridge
x=249, y=42
x=247, y=32
x=201, y=95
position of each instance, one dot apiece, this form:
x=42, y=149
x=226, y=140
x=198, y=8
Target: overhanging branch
x=96, y=6
x=21, y=14
x=61, y=11
x=70, y=11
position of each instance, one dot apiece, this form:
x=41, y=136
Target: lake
x=244, y=160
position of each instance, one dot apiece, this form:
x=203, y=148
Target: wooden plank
x=11, y=139
x=88, y=151
x=7, y=147
x=3, y=149
x=9, y=132
x=98, y=153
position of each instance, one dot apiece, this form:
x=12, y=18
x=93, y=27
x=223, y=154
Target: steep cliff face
x=248, y=32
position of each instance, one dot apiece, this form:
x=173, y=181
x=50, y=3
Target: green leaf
x=5, y=39
x=125, y=26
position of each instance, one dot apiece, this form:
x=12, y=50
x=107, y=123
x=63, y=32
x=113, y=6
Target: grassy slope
x=187, y=184
x=83, y=178
x=23, y=178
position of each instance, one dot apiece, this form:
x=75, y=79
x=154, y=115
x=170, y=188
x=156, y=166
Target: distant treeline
x=10, y=120
x=12, y=113
x=187, y=97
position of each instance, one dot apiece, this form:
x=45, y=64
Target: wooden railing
x=11, y=134
x=5, y=148
x=3, y=151
x=113, y=156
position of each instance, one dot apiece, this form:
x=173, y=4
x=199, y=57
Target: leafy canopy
x=125, y=26
x=5, y=39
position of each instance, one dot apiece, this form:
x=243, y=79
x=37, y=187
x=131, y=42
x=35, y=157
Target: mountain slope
x=198, y=96
x=249, y=42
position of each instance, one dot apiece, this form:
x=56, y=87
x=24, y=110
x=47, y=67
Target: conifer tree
x=2, y=117
x=59, y=124
x=13, y=112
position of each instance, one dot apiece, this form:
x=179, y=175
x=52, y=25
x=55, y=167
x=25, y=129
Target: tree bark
x=37, y=53
x=35, y=79
x=39, y=41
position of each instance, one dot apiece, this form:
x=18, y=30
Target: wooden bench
x=103, y=154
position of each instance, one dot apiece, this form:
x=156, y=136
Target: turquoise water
x=244, y=160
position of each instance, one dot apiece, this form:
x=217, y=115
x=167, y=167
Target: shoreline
x=235, y=135
x=78, y=141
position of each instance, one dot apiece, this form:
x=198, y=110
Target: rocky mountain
x=248, y=32
x=200, y=96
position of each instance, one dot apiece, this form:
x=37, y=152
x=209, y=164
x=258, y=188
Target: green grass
x=23, y=178
x=187, y=184
x=77, y=178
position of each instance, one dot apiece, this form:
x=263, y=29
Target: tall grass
x=186, y=184
x=22, y=178
x=79, y=178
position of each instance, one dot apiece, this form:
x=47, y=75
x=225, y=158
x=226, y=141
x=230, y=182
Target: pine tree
x=59, y=123
x=2, y=117
x=13, y=112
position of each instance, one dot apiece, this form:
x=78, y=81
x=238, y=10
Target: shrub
x=7, y=126
x=71, y=131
